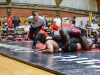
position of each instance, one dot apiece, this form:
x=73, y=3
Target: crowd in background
x=14, y=21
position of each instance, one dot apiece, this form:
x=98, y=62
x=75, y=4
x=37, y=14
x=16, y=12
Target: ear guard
x=41, y=38
x=56, y=33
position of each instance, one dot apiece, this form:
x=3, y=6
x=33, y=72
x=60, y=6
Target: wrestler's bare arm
x=49, y=48
x=66, y=38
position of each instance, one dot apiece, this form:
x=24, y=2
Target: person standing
x=10, y=24
x=5, y=24
x=16, y=21
x=95, y=18
x=46, y=21
x=74, y=20
x=57, y=20
x=37, y=22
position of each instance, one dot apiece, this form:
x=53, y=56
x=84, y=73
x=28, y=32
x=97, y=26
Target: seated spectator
x=95, y=18
x=83, y=27
x=95, y=27
x=88, y=27
x=54, y=27
x=26, y=27
x=71, y=23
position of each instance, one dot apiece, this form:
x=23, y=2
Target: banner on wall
x=90, y=17
x=65, y=21
x=84, y=19
x=58, y=2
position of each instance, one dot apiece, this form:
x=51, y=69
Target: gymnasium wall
x=3, y=12
x=90, y=5
x=23, y=13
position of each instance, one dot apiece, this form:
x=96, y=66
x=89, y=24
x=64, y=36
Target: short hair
x=87, y=21
x=93, y=20
x=5, y=16
x=34, y=13
x=41, y=37
x=74, y=17
x=10, y=14
x=25, y=21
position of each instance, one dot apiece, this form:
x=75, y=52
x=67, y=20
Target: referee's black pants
x=34, y=31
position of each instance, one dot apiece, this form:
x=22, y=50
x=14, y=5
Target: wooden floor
x=12, y=67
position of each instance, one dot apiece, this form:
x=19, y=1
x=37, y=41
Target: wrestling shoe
x=98, y=45
x=34, y=47
x=98, y=42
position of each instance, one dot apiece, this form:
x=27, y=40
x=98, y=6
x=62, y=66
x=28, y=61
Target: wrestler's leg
x=94, y=46
x=83, y=40
x=79, y=47
x=84, y=43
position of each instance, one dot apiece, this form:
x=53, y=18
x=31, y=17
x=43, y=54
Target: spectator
x=88, y=27
x=5, y=24
x=71, y=23
x=10, y=24
x=16, y=21
x=95, y=18
x=46, y=21
x=73, y=20
x=95, y=27
x=26, y=27
x=82, y=25
x=57, y=20
x=54, y=27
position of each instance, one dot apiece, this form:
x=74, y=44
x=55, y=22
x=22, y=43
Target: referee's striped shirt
x=38, y=23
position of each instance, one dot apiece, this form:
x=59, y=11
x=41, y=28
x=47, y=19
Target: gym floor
x=72, y=63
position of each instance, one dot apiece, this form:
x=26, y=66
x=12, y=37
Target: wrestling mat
x=72, y=63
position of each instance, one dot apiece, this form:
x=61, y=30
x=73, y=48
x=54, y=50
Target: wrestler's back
x=51, y=43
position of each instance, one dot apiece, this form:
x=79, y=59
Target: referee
x=37, y=22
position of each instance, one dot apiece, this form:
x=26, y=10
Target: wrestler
x=73, y=44
x=76, y=32
x=55, y=45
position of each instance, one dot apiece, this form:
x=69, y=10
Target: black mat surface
x=76, y=63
